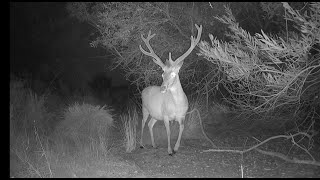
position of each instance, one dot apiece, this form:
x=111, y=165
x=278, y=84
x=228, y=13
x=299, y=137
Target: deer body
x=166, y=102
x=173, y=103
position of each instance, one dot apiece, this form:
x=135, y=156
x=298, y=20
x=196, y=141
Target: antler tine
x=155, y=58
x=194, y=42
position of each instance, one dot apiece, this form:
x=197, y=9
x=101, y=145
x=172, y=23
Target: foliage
x=119, y=26
x=266, y=71
x=258, y=72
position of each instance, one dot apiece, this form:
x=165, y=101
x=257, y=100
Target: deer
x=167, y=102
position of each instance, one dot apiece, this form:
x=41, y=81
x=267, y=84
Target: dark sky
x=42, y=33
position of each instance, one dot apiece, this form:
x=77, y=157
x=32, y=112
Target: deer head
x=171, y=68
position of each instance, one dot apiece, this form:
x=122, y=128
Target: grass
x=81, y=132
x=28, y=128
x=129, y=131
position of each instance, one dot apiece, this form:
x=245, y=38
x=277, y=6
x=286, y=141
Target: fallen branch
x=286, y=158
x=279, y=155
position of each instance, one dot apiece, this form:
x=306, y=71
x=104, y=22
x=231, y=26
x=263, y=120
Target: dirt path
x=190, y=161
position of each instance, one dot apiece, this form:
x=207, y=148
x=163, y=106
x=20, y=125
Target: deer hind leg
x=151, y=124
x=181, y=127
x=145, y=114
x=166, y=123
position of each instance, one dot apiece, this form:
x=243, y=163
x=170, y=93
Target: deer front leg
x=166, y=123
x=181, y=127
x=151, y=124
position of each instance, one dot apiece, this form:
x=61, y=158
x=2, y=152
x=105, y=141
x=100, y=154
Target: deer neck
x=177, y=92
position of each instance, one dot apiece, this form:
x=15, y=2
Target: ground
x=189, y=161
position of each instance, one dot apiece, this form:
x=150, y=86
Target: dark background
x=43, y=37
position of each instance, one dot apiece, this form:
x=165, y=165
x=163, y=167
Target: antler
x=194, y=42
x=155, y=58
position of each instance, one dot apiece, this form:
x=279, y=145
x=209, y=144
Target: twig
x=45, y=154
x=25, y=160
x=204, y=134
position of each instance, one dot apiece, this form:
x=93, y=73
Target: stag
x=166, y=102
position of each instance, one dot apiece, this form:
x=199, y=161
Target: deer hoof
x=171, y=154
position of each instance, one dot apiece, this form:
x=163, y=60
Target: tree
x=119, y=26
x=265, y=71
x=258, y=72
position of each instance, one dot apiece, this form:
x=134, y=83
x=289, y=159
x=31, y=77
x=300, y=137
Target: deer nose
x=163, y=88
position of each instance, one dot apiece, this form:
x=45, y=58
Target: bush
x=86, y=124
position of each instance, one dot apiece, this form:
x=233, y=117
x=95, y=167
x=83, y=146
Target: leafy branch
x=264, y=71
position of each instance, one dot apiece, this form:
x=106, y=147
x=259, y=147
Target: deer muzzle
x=163, y=88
